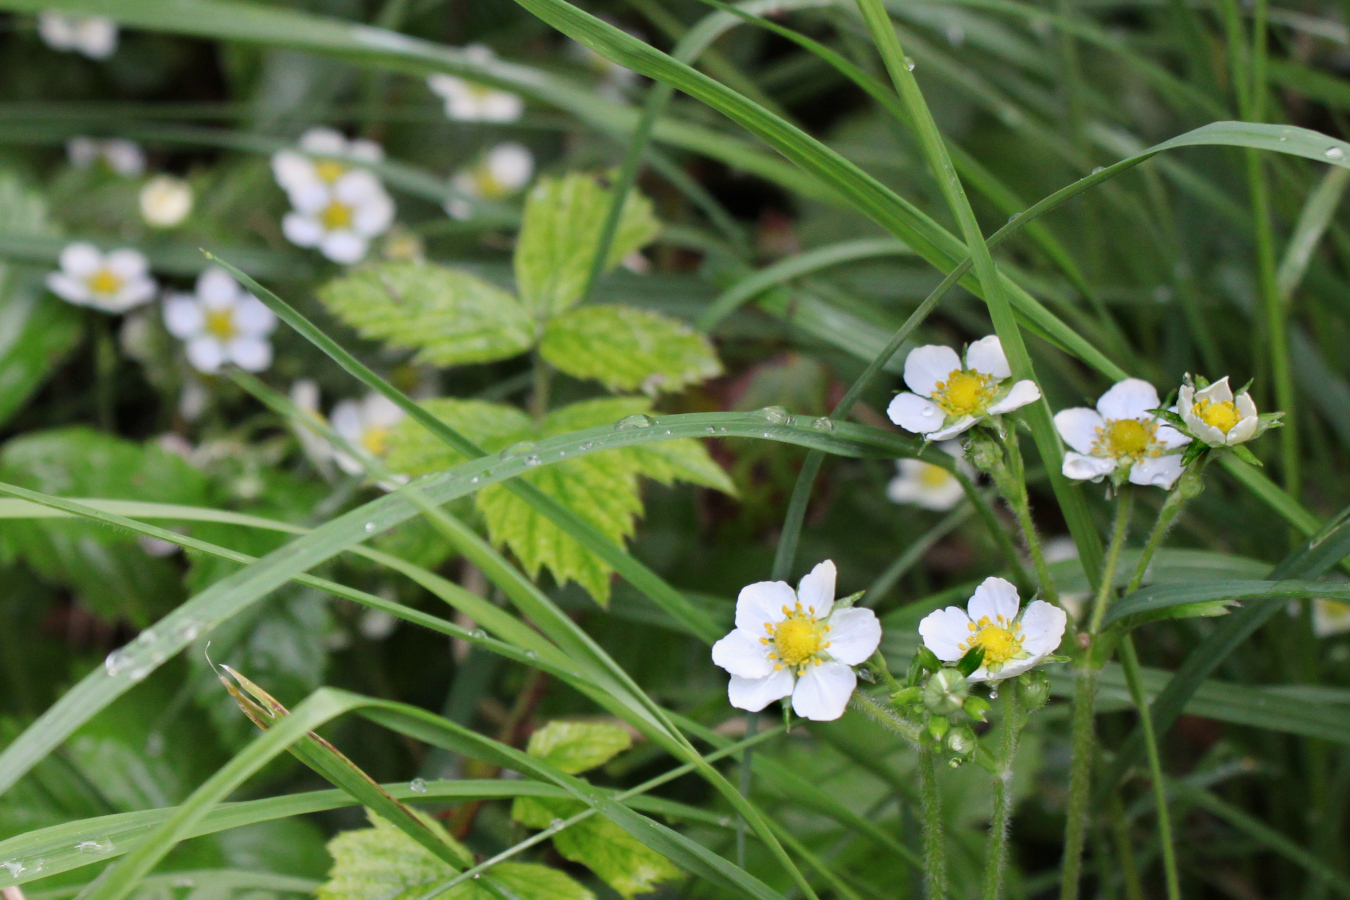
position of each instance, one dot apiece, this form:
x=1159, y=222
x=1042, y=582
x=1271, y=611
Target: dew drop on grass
x=417, y=786
x=993, y=695
x=636, y=420
x=473, y=480
x=532, y=461
x=478, y=633
x=555, y=824
x=184, y=882
x=520, y=448
x=910, y=64
x=531, y=654
x=824, y=423
x=710, y=430
x=1334, y=153
x=586, y=446
x=99, y=847
x=15, y=869
x=774, y=414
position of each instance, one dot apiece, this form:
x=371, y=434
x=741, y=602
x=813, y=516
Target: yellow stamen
x=934, y=477
x=1126, y=437
x=220, y=322
x=104, y=282
x=1222, y=415
x=1001, y=640
x=798, y=639
x=336, y=216
x=375, y=440
x=488, y=185
x=329, y=170
x=964, y=393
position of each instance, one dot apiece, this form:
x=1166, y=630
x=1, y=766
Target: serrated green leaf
x=383, y=863
x=449, y=317
x=602, y=487
x=559, y=235
x=598, y=844
x=626, y=349
x=575, y=747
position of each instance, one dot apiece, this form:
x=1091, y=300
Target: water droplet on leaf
x=1335, y=153
x=417, y=786
x=636, y=420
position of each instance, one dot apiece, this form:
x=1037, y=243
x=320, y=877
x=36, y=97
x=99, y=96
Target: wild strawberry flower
x=926, y=485
x=221, y=323
x=796, y=644
x=1014, y=641
x=165, y=201
x=950, y=396
x=339, y=207
x=94, y=36
x=502, y=171
x=123, y=157
x=366, y=424
x=113, y=282
x=1330, y=617
x=1215, y=416
x=1122, y=438
x=467, y=101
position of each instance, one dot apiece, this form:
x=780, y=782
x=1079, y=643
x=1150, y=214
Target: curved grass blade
x=1171, y=596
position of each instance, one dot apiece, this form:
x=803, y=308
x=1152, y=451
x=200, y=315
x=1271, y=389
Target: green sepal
x=971, y=661
x=1247, y=456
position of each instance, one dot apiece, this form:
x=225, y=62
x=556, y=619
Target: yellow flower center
x=375, y=440
x=1126, y=437
x=104, y=282
x=1001, y=640
x=934, y=477
x=488, y=185
x=220, y=322
x=964, y=393
x=797, y=640
x=337, y=215
x=1222, y=415
x=329, y=170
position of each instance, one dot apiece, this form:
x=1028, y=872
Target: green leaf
x=382, y=863
x=449, y=317
x=1154, y=599
x=625, y=349
x=623, y=862
x=575, y=747
x=563, y=221
x=601, y=488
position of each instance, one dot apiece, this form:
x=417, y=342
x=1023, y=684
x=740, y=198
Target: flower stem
x=1080, y=782
x=1187, y=488
x=1124, y=502
x=934, y=846
x=1014, y=489
x=1130, y=662
x=543, y=377
x=996, y=858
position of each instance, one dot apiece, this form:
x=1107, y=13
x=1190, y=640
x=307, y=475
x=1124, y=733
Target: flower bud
x=165, y=201
x=977, y=708
x=938, y=726
x=946, y=692
x=961, y=741
x=907, y=696
x=984, y=452
x=1035, y=689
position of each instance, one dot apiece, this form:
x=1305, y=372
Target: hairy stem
x=996, y=857
x=1130, y=661
x=1014, y=489
x=1080, y=782
x=1124, y=502
x=934, y=846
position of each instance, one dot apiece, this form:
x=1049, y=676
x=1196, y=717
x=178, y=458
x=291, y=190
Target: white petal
x=253, y=317
x=511, y=165
x=133, y=293
x=1042, y=628
x=183, y=315
x=822, y=692
x=347, y=420
x=301, y=230
x=1204, y=431
x=206, y=353
x=323, y=141
x=81, y=259
x=126, y=264
x=356, y=187
x=1185, y=400
x=741, y=653
x=365, y=150
x=926, y=366
x=1022, y=393
x=753, y=694
x=503, y=106
x=1170, y=438
x=217, y=288
x=1078, y=427
x=67, y=288
x=986, y=357
x=995, y=598
x=381, y=412
x=816, y=590
x=1245, y=405
x=374, y=216
x=1218, y=392
x=1086, y=468
x=97, y=36
x=252, y=354
x=1158, y=471
x=943, y=630
x=854, y=635
x=914, y=413
x=1243, y=430
x=343, y=247
x=960, y=426
x=1129, y=399
x=763, y=602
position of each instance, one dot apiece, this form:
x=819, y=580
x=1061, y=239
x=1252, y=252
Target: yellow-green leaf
x=626, y=349
x=575, y=747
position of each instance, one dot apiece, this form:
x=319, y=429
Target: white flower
x=221, y=323
x=927, y=485
x=165, y=201
x=338, y=207
x=1121, y=436
x=94, y=36
x=115, y=282
x=1013, y=643
x=502, y=171
x=1330, y=617
x=305, y=397
x=1215, y=416
x=467, y=101
x=796, y=644
x=122, y=156
x=950, y=396
x=366, y=424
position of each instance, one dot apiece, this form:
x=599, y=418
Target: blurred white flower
x=467, y=101
x=1215, y=416
x=114, y=282
x=94, y=36
x=1014, y=642
x=194, y=399
x=122, y=156
x=338, y=206
x=1121, y=436
x=1330, y=617
x=377, y=624
x=502, y=171
x=305, y=397
x=927, y=485
x=366, y=424
x=165, y=201
x=796, y=644
x=950, y=396
x=221, y=323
